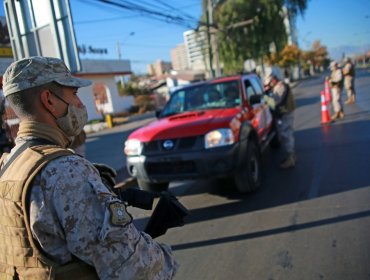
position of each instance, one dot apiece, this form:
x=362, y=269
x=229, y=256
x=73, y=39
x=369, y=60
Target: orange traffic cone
x=325, y=116
x=327, y=91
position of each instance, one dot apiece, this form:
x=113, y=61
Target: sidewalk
x=97, y=127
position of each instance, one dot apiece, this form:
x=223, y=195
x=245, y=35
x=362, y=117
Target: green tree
x=289, y=56
x=253, y=40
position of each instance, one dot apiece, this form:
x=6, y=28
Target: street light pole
x=123, y=41
x=119, y=50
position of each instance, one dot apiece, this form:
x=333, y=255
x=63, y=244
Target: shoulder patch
x=118, y=213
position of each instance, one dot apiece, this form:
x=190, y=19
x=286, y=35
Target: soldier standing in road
x=58, y=219
x=349, y=80
x=284, y=105
x=336, y=85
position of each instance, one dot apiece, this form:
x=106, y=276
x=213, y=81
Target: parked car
x=217, y=128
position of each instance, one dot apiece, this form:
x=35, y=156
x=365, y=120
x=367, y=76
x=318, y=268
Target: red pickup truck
x=217, y=128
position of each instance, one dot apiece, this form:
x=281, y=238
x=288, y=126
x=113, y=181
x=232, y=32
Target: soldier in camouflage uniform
x=283, y=106
x=57, y=218
x=336, y=85
x=349, y=80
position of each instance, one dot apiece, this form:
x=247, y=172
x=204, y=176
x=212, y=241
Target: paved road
x=310, y=222
x=107, y=146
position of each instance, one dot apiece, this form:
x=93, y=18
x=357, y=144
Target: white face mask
x=74, y=121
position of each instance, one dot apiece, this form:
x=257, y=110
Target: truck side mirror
x=255, y=99
x=158, y=113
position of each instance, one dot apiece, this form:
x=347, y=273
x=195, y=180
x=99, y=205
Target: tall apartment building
x=159, y=67
x=179, y=58
x=196, y=44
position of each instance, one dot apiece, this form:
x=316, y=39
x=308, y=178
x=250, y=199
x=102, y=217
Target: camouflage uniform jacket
x=70, y=215
x=284, y=99
x=336, y=79
x=349, y=70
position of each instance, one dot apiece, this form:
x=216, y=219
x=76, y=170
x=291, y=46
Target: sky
x=143, y=40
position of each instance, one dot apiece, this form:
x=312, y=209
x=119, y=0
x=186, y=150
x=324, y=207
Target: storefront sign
x=91, y=50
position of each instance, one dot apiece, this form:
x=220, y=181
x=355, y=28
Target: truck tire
x=248, y=177
x=153, y=187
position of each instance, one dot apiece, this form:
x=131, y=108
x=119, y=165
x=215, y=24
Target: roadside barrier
x=325, y=116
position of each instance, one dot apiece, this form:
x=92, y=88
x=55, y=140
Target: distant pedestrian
x=284, y=105
x=349, y=80
x=286, y=76
x=336, y=85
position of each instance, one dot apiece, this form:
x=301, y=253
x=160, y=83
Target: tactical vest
x=349, y=71
x=337, y=84
x=289, y=105
x=21, y=256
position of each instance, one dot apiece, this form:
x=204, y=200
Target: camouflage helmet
x=36, y=71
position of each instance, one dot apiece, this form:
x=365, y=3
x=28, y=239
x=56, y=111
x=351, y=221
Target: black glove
x=168, y=213
x=138, y=198
x=107, y=174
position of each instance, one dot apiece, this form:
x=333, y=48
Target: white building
x=102, y=97
x=197, y=49
x=179, y=58
x=159, y=68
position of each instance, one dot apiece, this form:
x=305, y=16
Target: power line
x=172, y=16
x=103, y=20
x=98, y=5
x=132, y=7
x=143, y=11
x=176, y=9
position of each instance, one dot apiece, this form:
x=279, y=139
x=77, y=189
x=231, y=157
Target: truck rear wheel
x=153, y=187
x=248, y=176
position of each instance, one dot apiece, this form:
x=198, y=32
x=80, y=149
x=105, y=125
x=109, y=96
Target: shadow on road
x=331, y=159
x=274, y=231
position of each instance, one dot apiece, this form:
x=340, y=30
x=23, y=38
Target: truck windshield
x=203, y=97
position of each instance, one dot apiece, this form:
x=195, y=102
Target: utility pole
x=212, y=36
x=214, y=41
x=209, y=18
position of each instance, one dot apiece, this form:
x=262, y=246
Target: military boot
x=353, y=98
x=335, y=116
x=289, y=162
x=350, y=100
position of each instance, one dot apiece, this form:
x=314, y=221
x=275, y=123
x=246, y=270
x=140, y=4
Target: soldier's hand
x=107, y=174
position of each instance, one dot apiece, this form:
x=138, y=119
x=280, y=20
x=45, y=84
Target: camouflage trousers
x=286, y=132
x=337, y=99
x=349, y=84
